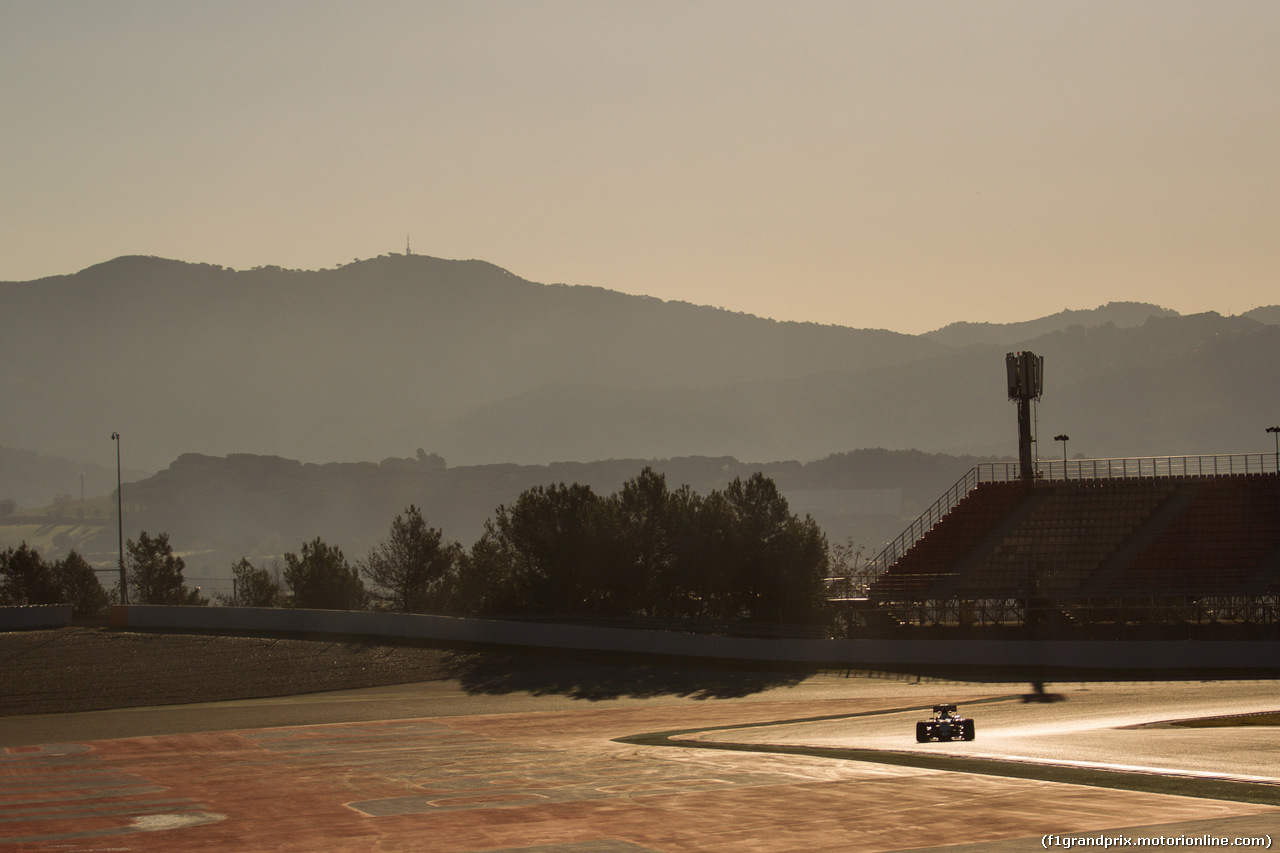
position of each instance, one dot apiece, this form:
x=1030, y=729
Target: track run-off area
x=593, y=757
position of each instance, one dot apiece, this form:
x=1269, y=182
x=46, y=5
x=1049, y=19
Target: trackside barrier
x=1093, y=654
x=29, y=617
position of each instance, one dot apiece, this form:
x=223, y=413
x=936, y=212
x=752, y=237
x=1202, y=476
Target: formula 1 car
x=946, y=725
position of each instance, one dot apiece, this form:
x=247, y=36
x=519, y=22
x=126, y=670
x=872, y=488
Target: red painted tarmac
x=537, y=781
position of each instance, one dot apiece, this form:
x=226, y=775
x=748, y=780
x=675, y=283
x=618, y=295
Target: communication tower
x=1026, y=381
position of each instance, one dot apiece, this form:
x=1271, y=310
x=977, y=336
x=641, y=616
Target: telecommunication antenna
x=1025, y=372
x=407, y=250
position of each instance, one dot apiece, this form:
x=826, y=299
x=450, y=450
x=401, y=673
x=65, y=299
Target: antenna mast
x=1026, y=381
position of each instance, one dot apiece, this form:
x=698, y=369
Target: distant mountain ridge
x=33, y=480
x=462, y=358
x=1120, y=314
x=294, y=361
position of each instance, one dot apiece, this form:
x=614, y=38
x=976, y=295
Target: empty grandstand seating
x=1218, y=545
x=1063, y=542
x=1153, y=537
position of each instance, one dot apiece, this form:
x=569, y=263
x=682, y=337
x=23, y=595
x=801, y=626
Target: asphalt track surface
x=1113, y=726
x=591, y=758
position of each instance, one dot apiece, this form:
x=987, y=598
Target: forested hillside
x=379, y=357
x=375, y=358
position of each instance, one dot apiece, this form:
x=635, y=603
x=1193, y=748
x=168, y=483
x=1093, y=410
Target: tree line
x=645, y=551
x=25, y=578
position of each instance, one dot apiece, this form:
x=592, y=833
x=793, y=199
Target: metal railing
x=1128, y=468
x=1157, y=466
x=931, y=516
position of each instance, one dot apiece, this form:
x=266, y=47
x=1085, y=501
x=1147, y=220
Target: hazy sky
x=890, y=164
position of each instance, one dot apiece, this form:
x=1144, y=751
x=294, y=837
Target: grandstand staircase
x=1000, y=532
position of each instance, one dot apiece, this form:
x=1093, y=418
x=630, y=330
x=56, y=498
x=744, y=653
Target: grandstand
x=1184, y=546
x=1164, y=547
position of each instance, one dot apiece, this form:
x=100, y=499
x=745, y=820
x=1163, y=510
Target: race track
x=543, y=762
x=1100, y=725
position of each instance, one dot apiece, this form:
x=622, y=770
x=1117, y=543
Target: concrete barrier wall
x=33, y=616
x=1137, y=654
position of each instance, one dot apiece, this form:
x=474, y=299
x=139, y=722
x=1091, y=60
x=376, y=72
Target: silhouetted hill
x=1175, y=385
x=374, y=358
x=1121, y=314
x=33, y=480
x=377, y=358
x=1267, y=314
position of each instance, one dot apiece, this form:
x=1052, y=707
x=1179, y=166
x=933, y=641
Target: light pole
x=1276, y=431
x=1064, y=438
x=124, y=586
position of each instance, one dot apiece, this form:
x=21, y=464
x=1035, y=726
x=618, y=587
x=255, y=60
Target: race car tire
x=922, y=732
x=969, y=731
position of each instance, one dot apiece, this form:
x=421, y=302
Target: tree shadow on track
x=601, y=677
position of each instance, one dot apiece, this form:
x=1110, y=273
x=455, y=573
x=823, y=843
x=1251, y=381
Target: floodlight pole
x=1064, y=438
x=1275, y=430
x=124, y=585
